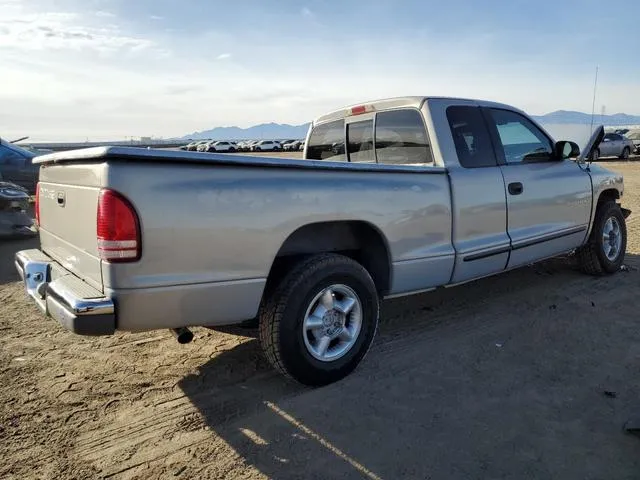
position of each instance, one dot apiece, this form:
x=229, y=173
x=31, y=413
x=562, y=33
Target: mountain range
x=286, y=131
x=580, y=118
x=264, y=130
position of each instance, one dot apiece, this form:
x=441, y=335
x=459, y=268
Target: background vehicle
x=193, y=146
x=292, y=146
x=614, y=145
x=190, y=146
x=16, y=166
x=14, y=207
x=220, y=146
x=204, y=146
x=310, y=246
x=266, y=146
x=634, y=136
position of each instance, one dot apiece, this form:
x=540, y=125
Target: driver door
x=548, y=200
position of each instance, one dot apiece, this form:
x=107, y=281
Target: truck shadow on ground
x=467, y=412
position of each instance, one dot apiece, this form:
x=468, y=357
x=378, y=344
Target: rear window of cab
x=396, y=137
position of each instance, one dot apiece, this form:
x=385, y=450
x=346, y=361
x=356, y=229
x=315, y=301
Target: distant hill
x=283, y=130
x=579, y=118
x=264, y=130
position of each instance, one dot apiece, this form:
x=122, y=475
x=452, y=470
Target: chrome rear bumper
x=61, y=295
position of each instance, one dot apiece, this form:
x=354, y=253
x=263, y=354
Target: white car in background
x=266, y=146
x=222, y=147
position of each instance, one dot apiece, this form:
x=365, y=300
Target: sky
x=110, y=69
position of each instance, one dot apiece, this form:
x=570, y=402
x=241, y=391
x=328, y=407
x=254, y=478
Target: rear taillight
x=118, y=228
x=37, y=206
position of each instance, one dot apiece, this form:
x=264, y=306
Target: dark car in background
x=16, y=166
x=15, y=212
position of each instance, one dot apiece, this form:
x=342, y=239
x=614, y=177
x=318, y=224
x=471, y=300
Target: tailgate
x=68, y=206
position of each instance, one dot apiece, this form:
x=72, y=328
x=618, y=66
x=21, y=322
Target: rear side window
x=360, y=141
x=401, y=138
x=471, y=137
x=326, y=142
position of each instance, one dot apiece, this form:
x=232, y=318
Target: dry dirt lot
x=529, y=375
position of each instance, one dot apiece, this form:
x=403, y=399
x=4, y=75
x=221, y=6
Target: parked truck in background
x=393, y=197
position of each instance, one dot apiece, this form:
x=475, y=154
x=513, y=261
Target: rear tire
x=316, y=349
x=604, y=253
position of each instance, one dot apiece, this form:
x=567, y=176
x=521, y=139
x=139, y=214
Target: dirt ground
x=529, y=375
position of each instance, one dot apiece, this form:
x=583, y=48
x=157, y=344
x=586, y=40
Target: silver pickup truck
x=393, y=197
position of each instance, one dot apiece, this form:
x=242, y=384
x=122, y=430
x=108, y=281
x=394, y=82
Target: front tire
x=320, y=321
x=625, y=153
x=604, y=252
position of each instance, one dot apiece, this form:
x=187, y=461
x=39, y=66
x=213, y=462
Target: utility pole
x=593, y=105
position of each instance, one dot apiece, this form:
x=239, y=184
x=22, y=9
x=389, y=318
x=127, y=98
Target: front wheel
x=625, y=153
x=604, y=252
x=319, y=323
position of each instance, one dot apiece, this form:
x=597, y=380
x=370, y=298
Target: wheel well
x=355, y=239
x=608, y=195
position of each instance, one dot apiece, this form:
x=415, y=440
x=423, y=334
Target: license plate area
x=37, y=276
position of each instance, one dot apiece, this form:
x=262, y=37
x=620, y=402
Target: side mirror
x=565, y=149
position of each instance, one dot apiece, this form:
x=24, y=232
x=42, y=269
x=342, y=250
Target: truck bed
x=212, y=225
x=180, y=156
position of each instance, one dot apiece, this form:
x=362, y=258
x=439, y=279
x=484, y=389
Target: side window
x=471, y=137
x=10, y=158
x=521, y=140
x=401, y=138
x=360, y=141
x=326, y=142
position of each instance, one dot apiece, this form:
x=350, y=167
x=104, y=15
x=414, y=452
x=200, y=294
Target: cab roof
x=401, y=102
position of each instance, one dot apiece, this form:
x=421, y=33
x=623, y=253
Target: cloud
x=101, y=13
x=156, y=17
x=63, y=31
x=223, y=56
x=182, y=89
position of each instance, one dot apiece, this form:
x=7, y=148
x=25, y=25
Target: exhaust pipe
x=182, y=334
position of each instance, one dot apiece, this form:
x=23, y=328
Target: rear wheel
x=625, y=153
x=604, y=252
x=319, y=323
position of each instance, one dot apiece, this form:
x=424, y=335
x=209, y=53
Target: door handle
x=515, y=188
